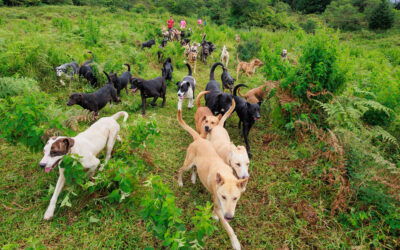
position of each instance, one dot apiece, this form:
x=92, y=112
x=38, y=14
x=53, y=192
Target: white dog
x=225, y=56
x=87, y=145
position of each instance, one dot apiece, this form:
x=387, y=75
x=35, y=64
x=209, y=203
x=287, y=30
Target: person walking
x=170, y=23
x=199, y=22
x=183, y=24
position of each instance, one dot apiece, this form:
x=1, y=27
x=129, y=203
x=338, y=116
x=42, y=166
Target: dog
x=216, y=100
x=284, y=55
x=227, y=80
x=186, y=88
x=148, y=44
x=234, y=156
x=204, y=118
x=237, y=38
x=185, y=41
x=87, y=145
x=192, y=55
x=121, y=82
x=248, y=68
x=86, y=71
x=256, y=95
x=225, y=56
x=248, y=114
x=163, y=43
x=155, y=88
x=205, y=51
x=94, y=102
x=67, y=69
x=167, y=69
x=165, y=33
x=216, y=176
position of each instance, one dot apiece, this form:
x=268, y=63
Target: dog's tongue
x=180, y=97
x=47, y=170
x=256, y=119
x=133, y=90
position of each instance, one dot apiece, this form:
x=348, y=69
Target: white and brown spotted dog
x=248, y=68
x=225, y=56
x=87, y=145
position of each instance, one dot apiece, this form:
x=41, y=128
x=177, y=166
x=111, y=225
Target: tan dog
x=248, y=68
x=237, y=38
x=216, y=177
x=234, y=156
x=204, y=118
x=225, y=56
x=192, y=55
x=255, y=95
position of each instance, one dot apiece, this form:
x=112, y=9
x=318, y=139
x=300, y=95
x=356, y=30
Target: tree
x=308, y=6
x=342, y=14
x=382, y=17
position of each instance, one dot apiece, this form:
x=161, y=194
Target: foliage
x=25, y=119
x=274, y=68
x=318, y=72
x=382, y=17
x=343, y=14
x=163, y=218
x=309, y=26
x=249, y=50
x=308, y=6
x=10, y=86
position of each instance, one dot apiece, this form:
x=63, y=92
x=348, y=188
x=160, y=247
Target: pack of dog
x=121, y=82
x=87, y=145
x=153, y=88
x=216, y=176
x=86, y=71
x=218, y=101
x=68, y=70
x=248, y=114
x=94, y=102
x=167, y=69
x=186, y=88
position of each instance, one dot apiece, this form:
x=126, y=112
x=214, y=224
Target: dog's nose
x=207, y=128
x=245, y=176
x=228, y=216
x=42, y=165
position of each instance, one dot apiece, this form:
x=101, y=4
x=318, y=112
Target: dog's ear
x=177, y=83
x=203, y=118
x=241, y=184
x=220, y=179
x=219, y=116
x=108, y=77
x=69, y=143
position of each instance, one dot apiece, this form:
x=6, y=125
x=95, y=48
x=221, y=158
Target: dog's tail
x=237, y=58
x=227, y=114
x=198, y=98
x=87, y=62
x=240, y=94
x=191, y=131
x=129, y=67
x=213, y=69
x=189, y=68
x=117, y=115
x=108, y=78
x=238, y=86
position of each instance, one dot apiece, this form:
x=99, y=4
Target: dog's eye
x=238, y=164
x=212, y=123
x=235, y=198
x=223, y=197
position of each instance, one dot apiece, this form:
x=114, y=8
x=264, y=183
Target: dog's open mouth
x=256, y=118
x=180, y=97
x=227, y=219
x=134, y=90
x=47, y=170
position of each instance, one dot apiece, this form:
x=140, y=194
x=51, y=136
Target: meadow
x=307, y=189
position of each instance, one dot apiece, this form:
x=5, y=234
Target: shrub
x=318, y=71
x=25, y=119
x=309, y=26
x=274, y=68
x=382, y=17
x=342, y=14
x=10, y=86
x=249, y=49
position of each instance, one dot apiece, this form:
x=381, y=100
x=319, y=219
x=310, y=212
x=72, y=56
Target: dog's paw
x=48, y=215
x=215, y=216
x=119, y=138
x=180, y=183
x=194, y=178
x=235, y=243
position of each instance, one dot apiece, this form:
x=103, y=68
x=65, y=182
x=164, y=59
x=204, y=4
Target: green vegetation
x=326, y=158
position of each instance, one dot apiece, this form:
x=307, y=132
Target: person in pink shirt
x=183, y=24
x=199, y=22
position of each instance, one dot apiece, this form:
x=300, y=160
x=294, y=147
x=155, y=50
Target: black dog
x=185, y=41
x=150, y=88
x=163, y=43
x=121, y=82
x=87, y=72
x=248, y=113
x=217, y=101
x=95, y=101
x=148, y=44
x=205, y=51
x=227, y=80
x=167, y=69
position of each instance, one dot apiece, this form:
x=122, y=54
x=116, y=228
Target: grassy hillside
x=288, y=201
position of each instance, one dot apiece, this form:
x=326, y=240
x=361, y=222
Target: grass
x=269, y=214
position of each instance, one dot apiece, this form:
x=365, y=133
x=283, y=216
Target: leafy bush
x=309, y=26
x=274, y=68
x=249, y=49
x=25, y=119
x=318, y=72
x=10, y=86
x=382, y=17
x=163, y=218
x=344, y=15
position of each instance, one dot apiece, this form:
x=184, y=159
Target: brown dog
x=216, y=176
x=258, y=94
x=204, y=118
x=248, y=68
